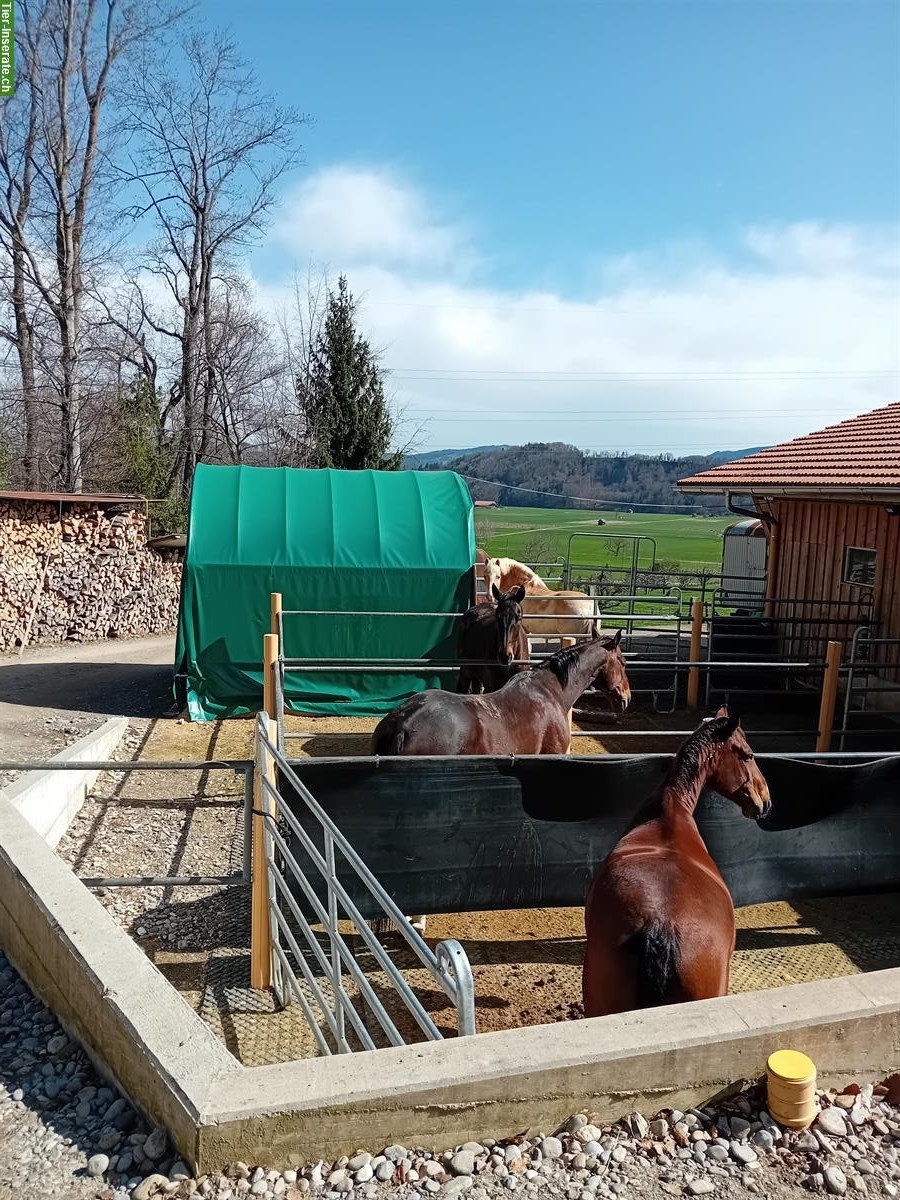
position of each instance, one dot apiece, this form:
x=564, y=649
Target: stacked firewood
x=84, y=575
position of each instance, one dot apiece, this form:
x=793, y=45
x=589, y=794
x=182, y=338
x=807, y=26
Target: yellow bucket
x=791, y=1081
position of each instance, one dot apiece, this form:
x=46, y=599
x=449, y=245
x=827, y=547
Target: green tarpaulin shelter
x=337, y=541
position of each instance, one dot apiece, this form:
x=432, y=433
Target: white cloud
x=798, y=327
x=820, y=249
x=352, y=216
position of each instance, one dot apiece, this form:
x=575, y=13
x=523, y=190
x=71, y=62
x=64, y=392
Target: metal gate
x=312, y=957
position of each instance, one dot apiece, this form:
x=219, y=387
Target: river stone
x=155, y=1145
x=384, y=1171
x=98, y=1164
x=807, y=1143
x=701, y=1187
x=591, y=1149
x=551, y=1147
x=832, y=1121
x=359, y=1161
x=463, y=1163
x=739, y=1127
x=716, y=1152
x=743, y=1153
x=149, y=1187
x=457, y=1186
x=835, y=1180
x=364, y=1174
x=763, y=1139
x=640, y=1127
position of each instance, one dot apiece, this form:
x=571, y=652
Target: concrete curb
x=103, y=988
x=50, y=800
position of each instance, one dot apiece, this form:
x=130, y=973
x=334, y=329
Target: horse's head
x=509, y=621
x=506, y=573
x=612, y=677
x=735, y=774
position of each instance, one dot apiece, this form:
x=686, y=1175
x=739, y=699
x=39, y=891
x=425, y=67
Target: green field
x=542, y=535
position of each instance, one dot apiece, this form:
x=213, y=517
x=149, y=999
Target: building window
x=859, y=566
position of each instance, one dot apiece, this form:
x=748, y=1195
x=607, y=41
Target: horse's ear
x=612, y=643
x=723, y=712
x=724, y=732
x=495, y=592
x=519, y=593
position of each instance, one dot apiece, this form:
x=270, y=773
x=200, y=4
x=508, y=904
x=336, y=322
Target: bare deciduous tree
x=56, y=147
x=209, y=152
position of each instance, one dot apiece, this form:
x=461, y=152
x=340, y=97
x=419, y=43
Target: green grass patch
x=545, y=534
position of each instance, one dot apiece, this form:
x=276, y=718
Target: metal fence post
x=336, y=981
x=693, y=688
x=829, y=695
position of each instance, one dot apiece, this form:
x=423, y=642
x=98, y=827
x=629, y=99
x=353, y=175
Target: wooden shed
x=831, y=505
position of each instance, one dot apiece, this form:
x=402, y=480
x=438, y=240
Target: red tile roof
x=862, y=453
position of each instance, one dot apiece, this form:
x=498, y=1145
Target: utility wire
x=604, y=503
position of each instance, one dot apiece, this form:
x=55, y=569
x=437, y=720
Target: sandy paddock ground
x=527, y=964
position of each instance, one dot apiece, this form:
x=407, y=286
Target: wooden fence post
x=829, y=696
x=270, y=666
x=260, y=918
x=693, y=688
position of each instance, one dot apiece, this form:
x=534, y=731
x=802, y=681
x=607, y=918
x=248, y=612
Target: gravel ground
x=65, y=1132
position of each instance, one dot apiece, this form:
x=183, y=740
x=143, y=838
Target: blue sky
x=551, y=188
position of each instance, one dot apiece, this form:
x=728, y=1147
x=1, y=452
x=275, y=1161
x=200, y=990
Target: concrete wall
x=49, y=800
x=500, y=1084
x=104, y=989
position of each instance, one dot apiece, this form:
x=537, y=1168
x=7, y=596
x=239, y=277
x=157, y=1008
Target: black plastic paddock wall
x=469, y=834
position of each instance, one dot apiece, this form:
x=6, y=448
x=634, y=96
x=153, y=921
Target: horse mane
x=561, y=664
x=690, y=758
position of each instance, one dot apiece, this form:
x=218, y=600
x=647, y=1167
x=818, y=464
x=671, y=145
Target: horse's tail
x=657, y=951
x=388, y=741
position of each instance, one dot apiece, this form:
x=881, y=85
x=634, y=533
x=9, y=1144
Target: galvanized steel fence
x=312, y=957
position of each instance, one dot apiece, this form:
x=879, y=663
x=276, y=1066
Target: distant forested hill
x=433, y=458
x=611, y=479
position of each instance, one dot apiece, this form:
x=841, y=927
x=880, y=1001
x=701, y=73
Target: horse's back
x=431, y=722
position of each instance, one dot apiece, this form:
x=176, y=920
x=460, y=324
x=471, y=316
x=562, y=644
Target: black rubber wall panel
x=457, y=834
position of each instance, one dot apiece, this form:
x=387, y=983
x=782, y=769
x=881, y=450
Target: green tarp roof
x=378, y=541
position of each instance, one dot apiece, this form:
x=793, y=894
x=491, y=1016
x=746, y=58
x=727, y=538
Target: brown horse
x=529, y=715
x=659, y=918
x=493, y=633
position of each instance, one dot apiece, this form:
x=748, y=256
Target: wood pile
x=83, y=576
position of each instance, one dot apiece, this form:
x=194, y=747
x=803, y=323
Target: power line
x=582, y=499
x=551, y=375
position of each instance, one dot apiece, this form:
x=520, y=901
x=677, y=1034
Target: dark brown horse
x=529, y=715
x=659, y=918
x=495, y=634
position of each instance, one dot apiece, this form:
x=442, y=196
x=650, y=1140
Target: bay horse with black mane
x=495, y=634
x=659, y=917
x=529, y=715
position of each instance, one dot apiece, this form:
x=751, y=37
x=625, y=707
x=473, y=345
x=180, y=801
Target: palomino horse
x=573, y=612
x=493, y=633
x=659, y=918
x=529, y=715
